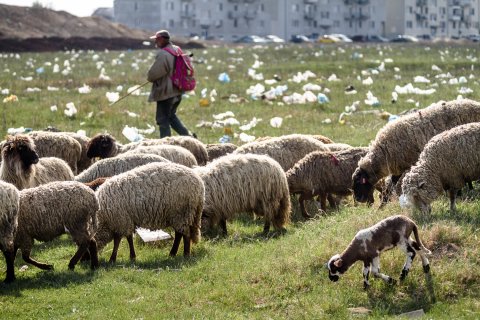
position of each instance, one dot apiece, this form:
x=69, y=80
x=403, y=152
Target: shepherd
x=165, y=92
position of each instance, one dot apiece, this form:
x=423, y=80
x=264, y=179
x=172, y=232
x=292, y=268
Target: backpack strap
x=173, y=52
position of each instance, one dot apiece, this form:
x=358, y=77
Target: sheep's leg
x=377, y=274
x=223, y=226
x=453, y=195
x=10, y=260
x=186, y=246
x=323, y=201
x=81, y=250
x=332, y=201
x=410, y=252
x=26, y=257
x=366, y=273
x=116, y=243
x=131, y=247
x=266, y=227
x=301, y=201
x=176, y=244
x=92, y=250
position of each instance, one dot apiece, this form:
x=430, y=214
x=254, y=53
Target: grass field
x=247, y=275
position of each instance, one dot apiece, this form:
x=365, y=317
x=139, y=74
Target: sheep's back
x=172, y=153
x=156, y=195
x=51, y=169
x=45, y=211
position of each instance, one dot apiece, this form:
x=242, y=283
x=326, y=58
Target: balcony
x=421, y=17
x=186, y=14
x=309, y=15
x=234, y=14
x=325, y=23
x=461, y=3
x=356, y=16
x=250, y=14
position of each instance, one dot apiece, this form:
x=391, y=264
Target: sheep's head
x=102, y=146
x=362, y=186
x=19, y=149
x=336, y=267
x=418, y=196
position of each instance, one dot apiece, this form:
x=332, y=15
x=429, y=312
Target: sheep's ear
x=421, y=184
x=338, y=263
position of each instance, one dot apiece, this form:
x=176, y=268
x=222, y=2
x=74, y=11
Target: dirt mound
x=40, y=29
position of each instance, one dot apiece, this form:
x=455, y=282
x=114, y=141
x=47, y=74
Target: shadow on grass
x=46, y=280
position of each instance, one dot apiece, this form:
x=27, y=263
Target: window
x=372, y=24
x=410, y=9
x=409, y=24
x=135, y=6
x=220, y=7
x=295, y=8
x=171, y=23
x=262, y=7
x=235, y=23
x=295, y=23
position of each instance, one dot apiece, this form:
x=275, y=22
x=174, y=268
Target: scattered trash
x=132, y=134
x=276, y=122
x=225, y=139
x=70, y=110
x=10, y=98
x=149, y=236
x=322, y=98
x=224, y=77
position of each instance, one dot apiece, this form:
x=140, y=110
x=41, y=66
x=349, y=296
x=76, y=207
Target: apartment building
x=231, y=19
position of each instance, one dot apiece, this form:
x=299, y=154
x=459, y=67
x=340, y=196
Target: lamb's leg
x=223, y=226
x=377, y=274
x=186, y=246
x=10, y=260
x=176, y=244
x=131, y=247
x=92, y=249
x=410, y=252
x=116, y=243
x=26, y=257
x=366, y=273
x=425, y=262
x=81, y=250
x=301, y=201
x=453, y=195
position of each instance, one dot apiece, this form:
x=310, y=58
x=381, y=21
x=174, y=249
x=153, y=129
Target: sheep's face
x=19, y=150
x=101, y=146
x=207, y=223
x=362, y=188
x=418, y=197
x=336, y=267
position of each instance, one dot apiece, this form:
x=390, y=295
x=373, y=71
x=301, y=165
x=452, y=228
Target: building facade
x=232, y=19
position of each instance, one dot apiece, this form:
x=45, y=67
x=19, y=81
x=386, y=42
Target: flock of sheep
x=51, y=185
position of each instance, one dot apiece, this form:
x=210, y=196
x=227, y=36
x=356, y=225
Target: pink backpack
x=183, y=73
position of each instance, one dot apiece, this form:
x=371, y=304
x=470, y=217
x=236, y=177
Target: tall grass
x=246, y=274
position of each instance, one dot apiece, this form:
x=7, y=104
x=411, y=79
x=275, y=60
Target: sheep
x=217, y=150
x=156, y=195
x=113, y=166
x=338, y=146
x=449, y=160
x=50, y=210
x=9, y=202
x=172, y=153
x=59, y=145
x=318, y=137
x=368, y=243
x=397, y=145
x=22, y=167
x=287, y=150
x=105, y=146
x=320, y=173
x=238, y=183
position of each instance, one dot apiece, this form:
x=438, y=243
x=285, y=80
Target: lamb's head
x=102, y=146
x=362, y=186
x=336, y=267
x=18, y=151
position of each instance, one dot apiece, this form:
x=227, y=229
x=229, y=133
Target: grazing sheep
x=320, y=173
x=22, y=167
x=50, y=210
x=153, y=196
x=448, y=162
x=318, y=137
x=368, y=243
x=95, y=184
x=172, y=153
x=9, y=202
x=105, y=146
x=238, y=183
x=397, y=145
x=59, y=145
x=286, y=150
x=217, y=150
x=338, y=146
x=112, y=166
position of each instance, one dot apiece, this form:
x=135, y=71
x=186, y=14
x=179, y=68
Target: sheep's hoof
x=366, y=286
x=426, y=268
x=71, y=267
x=392, y=281
x=9, y=279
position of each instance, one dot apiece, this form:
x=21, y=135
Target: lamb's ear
x=338, y=263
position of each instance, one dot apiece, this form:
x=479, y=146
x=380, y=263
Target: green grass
x=247, y=275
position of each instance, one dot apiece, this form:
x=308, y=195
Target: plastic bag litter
x=276, y=122
x=322, y=98
x=132, y=134
x=149, y=236
x=224, y=77
x=246, y=138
